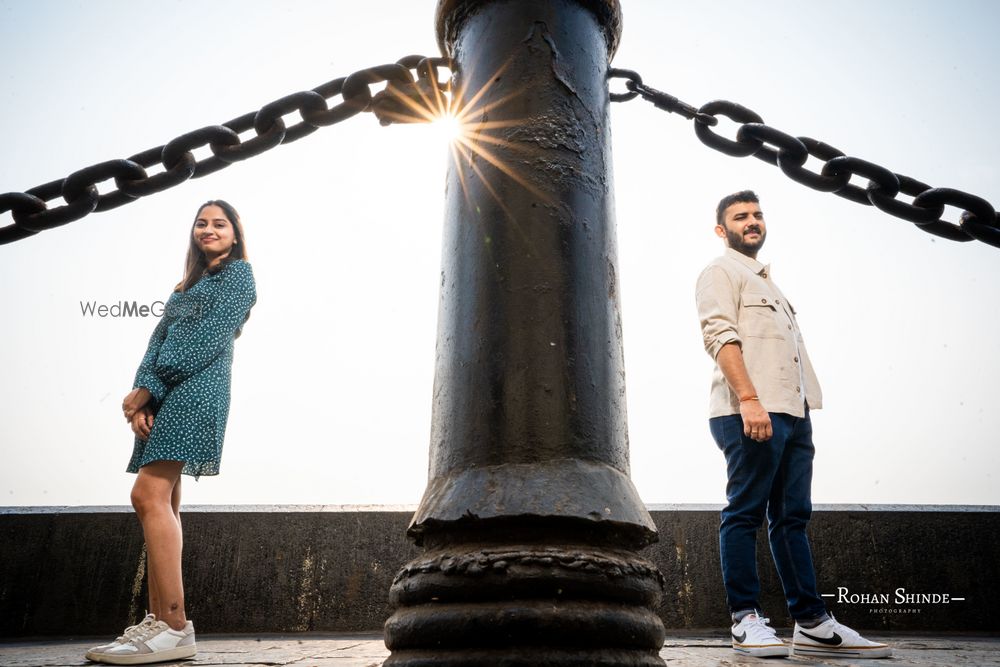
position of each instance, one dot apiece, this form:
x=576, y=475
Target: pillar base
x=525, y=604
x=536, y=657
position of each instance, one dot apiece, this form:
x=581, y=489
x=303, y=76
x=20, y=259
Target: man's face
x=744, y=229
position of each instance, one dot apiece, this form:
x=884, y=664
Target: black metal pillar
x=530, y=522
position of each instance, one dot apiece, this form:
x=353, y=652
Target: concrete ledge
x=76, y=571
x=687, y=648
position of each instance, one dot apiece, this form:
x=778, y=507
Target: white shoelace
x=150, y=631
x=762, y=624
x=133, y=630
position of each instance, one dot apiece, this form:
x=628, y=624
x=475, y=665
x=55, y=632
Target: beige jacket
x=738, y=303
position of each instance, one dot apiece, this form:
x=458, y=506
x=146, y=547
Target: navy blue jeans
x=773, y=479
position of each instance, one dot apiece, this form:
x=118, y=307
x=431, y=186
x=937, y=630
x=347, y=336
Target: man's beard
x=737, y=242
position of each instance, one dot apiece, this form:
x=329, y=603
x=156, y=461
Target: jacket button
x=796, y=360
x=763, y=300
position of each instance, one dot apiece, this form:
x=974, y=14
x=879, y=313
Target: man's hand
x=134, y=401
x=142, y=423
x=756, y=421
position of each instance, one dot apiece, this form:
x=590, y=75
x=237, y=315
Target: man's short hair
x=743, y=196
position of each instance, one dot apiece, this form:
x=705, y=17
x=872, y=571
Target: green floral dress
x=188, y=370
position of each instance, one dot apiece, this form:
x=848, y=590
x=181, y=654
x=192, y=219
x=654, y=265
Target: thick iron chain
x=979, y=220
x=30, y=210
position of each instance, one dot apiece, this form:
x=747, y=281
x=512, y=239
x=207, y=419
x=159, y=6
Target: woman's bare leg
x=175, y=500
x=156, y=499
x=154, y=595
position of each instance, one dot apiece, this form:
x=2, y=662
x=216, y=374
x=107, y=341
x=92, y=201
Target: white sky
x=333, y=376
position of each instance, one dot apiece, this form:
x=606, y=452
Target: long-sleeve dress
x=188, y=369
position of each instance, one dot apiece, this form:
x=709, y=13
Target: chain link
x=30, y=209
x=979, y=220
x=398, y=102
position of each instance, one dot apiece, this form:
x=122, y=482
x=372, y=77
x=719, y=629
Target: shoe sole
x=846, y=652
x=762, y=651
x=179, y=653
x=90, y=655
x=98, y=650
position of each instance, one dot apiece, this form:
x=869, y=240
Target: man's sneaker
x=156, y=643
x=834, y=639
x=130, y=632
x=753, y=636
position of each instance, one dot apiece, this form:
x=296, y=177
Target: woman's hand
x=142, y=423
x=135, y=401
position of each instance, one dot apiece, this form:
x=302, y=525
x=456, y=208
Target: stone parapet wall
x=69, y=572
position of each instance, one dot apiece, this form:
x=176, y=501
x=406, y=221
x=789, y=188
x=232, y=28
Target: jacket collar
x=748, y=262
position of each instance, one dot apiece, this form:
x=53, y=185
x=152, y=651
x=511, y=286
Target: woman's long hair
x=196, y=264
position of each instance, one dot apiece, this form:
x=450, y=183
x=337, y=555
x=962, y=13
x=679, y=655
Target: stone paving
x=698, y=649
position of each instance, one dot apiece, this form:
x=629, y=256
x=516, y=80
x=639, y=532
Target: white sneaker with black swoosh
x=753, y=636
x=833, y=639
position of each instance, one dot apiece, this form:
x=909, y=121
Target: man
x=763, y=388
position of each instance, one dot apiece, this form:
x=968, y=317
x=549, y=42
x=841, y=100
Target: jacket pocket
x=759, y=316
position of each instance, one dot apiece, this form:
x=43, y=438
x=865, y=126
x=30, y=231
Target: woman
x=178, y=410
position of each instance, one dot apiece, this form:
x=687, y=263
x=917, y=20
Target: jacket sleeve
x=718, y=302
x=146, y=375
x=192, y=344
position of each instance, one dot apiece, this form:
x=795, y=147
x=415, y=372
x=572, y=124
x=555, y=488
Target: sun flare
x=460, y=118
x=448, y=126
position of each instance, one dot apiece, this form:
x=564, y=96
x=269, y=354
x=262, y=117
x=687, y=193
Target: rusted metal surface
x=530, y=521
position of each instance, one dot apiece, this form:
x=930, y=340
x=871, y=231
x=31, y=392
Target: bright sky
x=333, y=375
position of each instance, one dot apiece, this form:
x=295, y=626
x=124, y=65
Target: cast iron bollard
x=530, y=522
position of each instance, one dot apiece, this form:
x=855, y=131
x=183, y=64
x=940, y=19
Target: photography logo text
x=899, y=601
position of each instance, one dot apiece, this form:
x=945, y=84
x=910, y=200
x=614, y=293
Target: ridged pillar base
x=525, y=605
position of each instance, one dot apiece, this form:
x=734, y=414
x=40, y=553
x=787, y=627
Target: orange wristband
x=749, y=398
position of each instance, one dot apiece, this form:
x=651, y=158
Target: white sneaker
x=130, y=632
x=753, y=636
x=834, y=639
x=155, y=643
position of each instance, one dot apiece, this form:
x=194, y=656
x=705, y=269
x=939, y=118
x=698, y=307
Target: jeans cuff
x=813, y=621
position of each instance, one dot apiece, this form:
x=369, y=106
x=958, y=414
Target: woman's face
x=213, y=232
